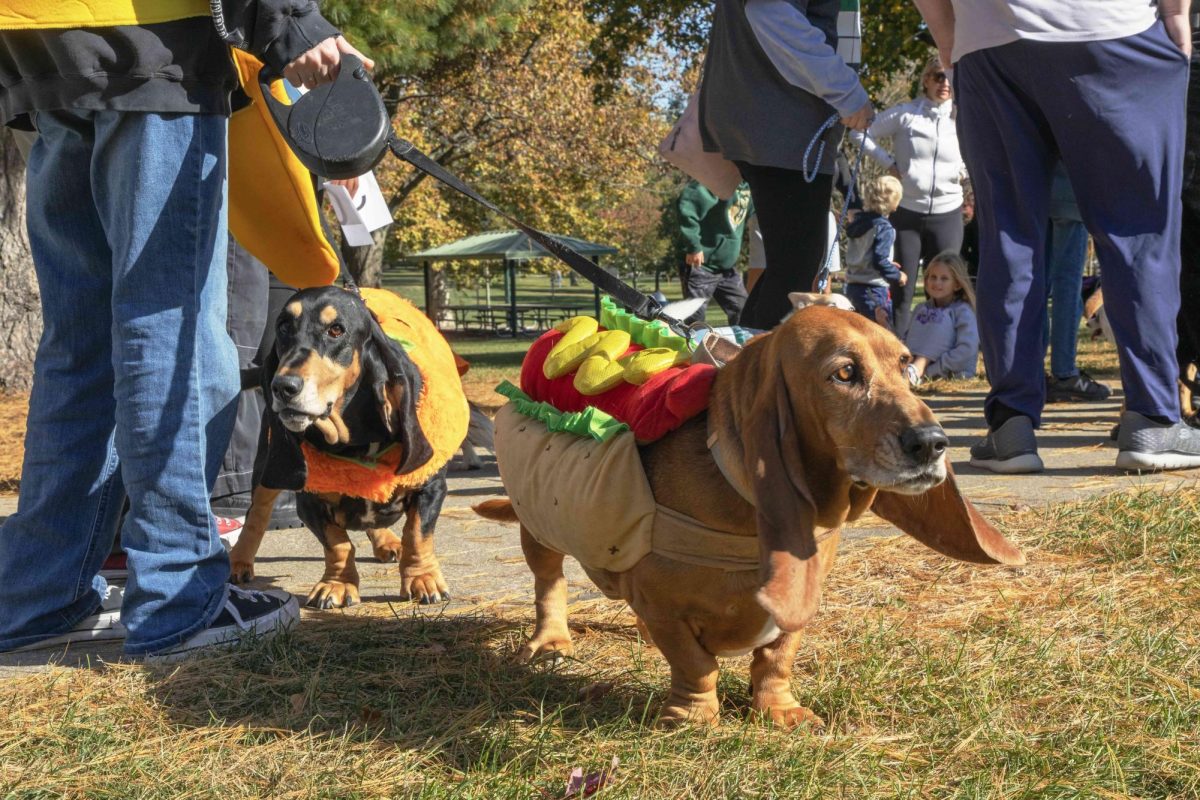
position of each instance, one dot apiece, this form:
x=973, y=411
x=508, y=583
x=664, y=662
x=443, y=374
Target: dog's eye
x=846, y=374
x=335, y=330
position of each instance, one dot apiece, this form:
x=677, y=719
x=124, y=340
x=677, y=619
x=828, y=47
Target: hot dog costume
x=566, y=444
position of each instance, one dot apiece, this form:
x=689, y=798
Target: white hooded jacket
x=925, y=145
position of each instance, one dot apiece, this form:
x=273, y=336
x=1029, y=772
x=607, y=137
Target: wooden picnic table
x=530, y=317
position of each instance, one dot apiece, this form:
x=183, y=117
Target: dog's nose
x=924, y=443
x=286, y=387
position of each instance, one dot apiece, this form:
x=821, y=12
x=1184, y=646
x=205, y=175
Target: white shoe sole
x=106, y=626
x=1147, y=462
x=230, y=539
x=228, y=636
x=1017, y=465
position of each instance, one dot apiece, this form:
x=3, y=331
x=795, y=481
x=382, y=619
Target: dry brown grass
x=13, y=409
x=1075, y=676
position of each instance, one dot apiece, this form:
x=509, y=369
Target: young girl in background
x=942, y=336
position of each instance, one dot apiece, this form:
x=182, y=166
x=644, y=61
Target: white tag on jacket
x=360, y=213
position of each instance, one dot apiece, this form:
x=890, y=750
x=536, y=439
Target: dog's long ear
x=944, y=520
x=279, y=463
x=396, y=382
x=790, y=568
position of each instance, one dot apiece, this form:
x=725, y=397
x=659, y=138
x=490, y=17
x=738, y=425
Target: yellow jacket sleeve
x=273, y=209
x=41, y=14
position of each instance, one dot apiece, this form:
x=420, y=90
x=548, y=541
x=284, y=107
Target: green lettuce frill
x=648, y=334
x=590, y=422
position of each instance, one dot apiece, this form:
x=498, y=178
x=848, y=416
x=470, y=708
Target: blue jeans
x=1066, y=256
x=135, y=377
x=866, y=298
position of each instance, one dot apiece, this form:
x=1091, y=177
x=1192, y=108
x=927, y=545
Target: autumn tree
x=893, y=35
x=521, y=125
x=20, y=306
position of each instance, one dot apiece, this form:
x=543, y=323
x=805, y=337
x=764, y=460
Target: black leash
x=642, y=305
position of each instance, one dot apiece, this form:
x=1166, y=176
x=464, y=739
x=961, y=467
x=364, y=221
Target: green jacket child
x=713, y=227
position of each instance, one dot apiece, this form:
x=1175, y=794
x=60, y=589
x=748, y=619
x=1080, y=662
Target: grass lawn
x=1077, y=676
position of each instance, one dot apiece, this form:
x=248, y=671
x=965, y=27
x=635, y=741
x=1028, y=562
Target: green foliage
x=416, y=37
x=893, y=34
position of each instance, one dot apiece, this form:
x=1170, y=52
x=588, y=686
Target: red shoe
x=229, y=528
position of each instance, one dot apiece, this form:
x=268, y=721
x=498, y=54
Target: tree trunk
x=366, y=262
x=439, y=297
x=20, y=303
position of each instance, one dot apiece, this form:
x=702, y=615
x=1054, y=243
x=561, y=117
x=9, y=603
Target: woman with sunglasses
x=926, y=159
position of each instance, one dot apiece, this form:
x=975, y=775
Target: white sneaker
x=103, y=625
x=246, y=612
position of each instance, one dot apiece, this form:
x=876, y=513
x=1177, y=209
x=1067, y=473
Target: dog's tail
x=496, y=510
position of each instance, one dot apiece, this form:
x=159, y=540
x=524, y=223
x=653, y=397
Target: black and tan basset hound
x=341, y=402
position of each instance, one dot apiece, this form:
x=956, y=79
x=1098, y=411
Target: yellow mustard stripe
x=36, y=14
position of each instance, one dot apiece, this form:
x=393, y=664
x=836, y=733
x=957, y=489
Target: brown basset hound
x=816, y=423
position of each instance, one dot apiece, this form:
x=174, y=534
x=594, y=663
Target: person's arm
x=291, y=37
x=961, y=357
x=939, y=17
x=802, y=56
x=694, y=205
x=888, y=123
x=1174, y=15
x=881, y=253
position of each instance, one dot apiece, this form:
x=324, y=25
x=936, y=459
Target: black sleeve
x=278, y=31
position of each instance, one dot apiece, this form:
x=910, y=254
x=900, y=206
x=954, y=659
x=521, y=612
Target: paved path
x=482, y=561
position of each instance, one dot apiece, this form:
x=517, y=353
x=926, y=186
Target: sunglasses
x=939, y=76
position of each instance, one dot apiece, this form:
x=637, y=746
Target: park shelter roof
x=504, y=245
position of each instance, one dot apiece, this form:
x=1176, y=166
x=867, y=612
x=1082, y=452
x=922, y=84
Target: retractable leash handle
x=339, y=129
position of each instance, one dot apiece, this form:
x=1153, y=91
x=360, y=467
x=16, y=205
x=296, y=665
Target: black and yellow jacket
x=165, y=56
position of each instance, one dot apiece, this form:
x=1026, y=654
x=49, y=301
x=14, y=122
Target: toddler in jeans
x=870, y=270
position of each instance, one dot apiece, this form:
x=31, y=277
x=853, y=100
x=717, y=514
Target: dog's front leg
x=693, y=696
x=258, y=516
x=420, y=574
x=771, y=683
x=551, y=636
x=339, y=585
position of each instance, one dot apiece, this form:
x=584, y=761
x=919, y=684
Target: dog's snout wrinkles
x=924, y=443
x=286, y=387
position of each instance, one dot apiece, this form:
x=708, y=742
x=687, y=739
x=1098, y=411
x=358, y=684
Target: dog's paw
x=241, y=572
x=791, y=717
x=424, y=585
x=387, y=550
x=675, y=713
x=333, y=594
x=551, y=648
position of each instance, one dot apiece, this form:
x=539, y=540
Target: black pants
x=920, y=237
x=1188, y=320
x=255, y=299
x=793, y=216
x=726, y=287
